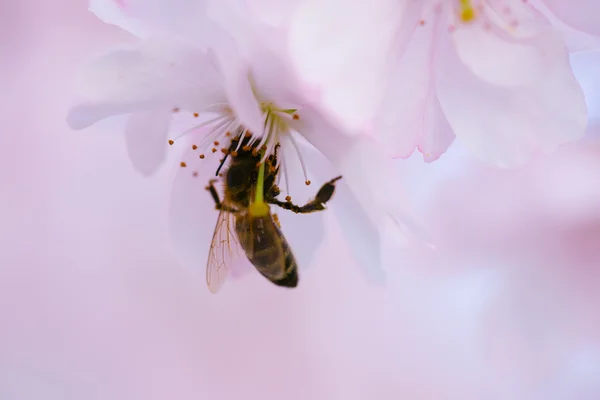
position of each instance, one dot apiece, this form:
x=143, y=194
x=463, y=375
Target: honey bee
x=249, y=188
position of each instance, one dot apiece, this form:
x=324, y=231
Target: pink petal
x=152, y=73
x=185, y=19
x=580, y=14
x=575, y=39
x=237, y=81
x=410, y=114
x=304, y=232
x=242, y=98
x=359, y=231
x=499, y=58
x=113, y=12
x=507, y=125
x=146, y=138
x=367, y=172
x=343, y=48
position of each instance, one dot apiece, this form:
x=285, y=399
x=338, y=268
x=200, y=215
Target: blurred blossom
x=516, y=262
x=495, y=74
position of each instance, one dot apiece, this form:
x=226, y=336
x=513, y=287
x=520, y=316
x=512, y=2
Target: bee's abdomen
x=268, y=250
x=291, y=269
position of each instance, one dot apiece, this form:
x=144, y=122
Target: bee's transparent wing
x=223, y=250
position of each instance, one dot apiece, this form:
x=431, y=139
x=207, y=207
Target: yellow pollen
x=467, y=11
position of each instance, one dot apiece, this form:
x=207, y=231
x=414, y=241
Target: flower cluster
x=343, y=88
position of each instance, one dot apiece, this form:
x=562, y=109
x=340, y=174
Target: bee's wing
x=223, y=248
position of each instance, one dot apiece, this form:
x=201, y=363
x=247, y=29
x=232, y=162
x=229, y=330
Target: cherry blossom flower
x=226, y=86
x=495, y=74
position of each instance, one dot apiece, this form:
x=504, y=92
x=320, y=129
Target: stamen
x=299, y=157
x=285, y=173
x=215, y=132
x=219, y=118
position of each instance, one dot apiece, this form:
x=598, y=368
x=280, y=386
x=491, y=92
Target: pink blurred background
x=93, y=304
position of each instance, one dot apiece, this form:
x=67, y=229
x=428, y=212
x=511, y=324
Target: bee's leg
x=213, y=192
x=323, y=196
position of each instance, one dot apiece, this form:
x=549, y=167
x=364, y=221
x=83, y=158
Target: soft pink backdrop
x=94, y=306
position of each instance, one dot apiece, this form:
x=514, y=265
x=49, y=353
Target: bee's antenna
x=234, y=143
x=222, y=163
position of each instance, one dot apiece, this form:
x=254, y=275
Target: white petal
x=507, y=125
x=343, y=48
x=146, y=138
x=237, y=81
x=575, y=39
x=304, y=232
x=369, y=174
x=361, y=234
x=410, y=115
x=183, y=18
x=112, y=12
x=580, y=14
x=493, y=57
x=242, y=99
x=152, y=73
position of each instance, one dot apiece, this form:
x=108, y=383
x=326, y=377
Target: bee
x=249, y=190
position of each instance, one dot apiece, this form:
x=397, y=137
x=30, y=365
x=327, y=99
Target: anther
x=234, y=153
x=183, y=165
x=214, y=150
x=288, y=198
x=196, y=115
x=246, y=148
x=296, y=117
x=216, y=142
x=224, y=150
x=255, y=151
x=307, y=182
x=227, y=133
x=194, y=147
x=171, y=142
x=248, y=134
x=201, y=155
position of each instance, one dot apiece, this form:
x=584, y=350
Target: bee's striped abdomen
x=266, y=248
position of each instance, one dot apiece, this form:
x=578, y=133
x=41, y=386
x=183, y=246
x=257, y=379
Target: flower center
x=466, y=11
x=223, y=126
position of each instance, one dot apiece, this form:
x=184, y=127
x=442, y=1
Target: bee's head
x=239, y=175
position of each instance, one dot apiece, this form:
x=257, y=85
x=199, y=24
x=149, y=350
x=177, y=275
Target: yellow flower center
x=467, y=11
